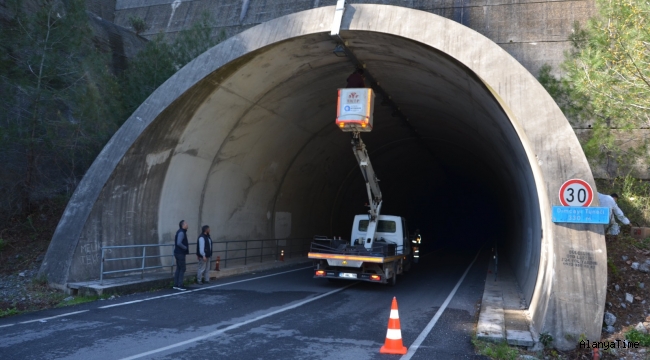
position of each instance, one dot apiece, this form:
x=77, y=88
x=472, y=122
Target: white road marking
x=156, y=297
x=200, y=289
x=423, y=335
x=53, y=317
x=235, y=326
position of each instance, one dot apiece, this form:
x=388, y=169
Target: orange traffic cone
x=393, y=344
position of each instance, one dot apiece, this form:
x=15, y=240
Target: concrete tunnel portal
x=243, y=139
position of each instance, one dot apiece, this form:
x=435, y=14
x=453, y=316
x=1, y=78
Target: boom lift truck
x=379, y=247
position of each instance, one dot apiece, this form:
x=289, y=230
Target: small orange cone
x=393, y=344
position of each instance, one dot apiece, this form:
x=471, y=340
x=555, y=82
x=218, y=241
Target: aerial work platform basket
x=354, y=109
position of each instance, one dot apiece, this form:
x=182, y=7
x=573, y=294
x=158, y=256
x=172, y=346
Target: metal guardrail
x=275, y=249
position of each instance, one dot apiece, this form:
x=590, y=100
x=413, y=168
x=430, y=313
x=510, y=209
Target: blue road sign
x=580, y=215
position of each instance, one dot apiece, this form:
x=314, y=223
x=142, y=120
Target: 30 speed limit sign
x=576, y=192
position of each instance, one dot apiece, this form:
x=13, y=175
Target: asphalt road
x=280, y=314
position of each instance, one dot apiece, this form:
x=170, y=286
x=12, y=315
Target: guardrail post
x=101, y=268
x=144, y=251
x=262, y=252
x=245, y=252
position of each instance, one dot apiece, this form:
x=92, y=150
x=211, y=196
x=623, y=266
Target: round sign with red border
x=576, y=192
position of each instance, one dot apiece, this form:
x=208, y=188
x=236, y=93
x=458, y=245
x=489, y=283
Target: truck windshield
x=384, y=226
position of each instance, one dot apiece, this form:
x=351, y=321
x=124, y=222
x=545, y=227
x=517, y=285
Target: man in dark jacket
x=356, y=79
x=203, y=255
x=181, y=248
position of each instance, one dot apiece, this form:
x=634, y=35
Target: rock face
x=120, y=41
x=102, y=8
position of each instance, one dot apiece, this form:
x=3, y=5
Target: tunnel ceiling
x=266, y=137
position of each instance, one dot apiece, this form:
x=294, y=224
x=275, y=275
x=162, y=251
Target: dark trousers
x=180, y=270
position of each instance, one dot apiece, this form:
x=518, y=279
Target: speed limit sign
x=576, y=192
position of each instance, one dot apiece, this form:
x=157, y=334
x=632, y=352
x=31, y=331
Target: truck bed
x=371, y=259
x=340, y=250
x=336, y=259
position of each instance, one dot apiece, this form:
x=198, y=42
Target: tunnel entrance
x=456, y=169
x=243, y=139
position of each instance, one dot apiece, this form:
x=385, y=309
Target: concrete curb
x=497, y=307
x=133, y=284
x=491, y=321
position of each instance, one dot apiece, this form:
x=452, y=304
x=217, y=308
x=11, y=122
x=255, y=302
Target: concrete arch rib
x=228, y=131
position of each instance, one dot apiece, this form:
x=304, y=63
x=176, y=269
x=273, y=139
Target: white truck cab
x=389, y=256
x=390, y=229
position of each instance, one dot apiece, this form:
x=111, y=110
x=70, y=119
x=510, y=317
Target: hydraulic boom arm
x=372, y=187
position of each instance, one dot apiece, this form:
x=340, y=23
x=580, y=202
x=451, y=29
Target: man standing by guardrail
x=203, y=255
x=181, y=248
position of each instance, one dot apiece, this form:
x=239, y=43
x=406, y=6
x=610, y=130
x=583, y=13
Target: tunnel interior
x=261, y=156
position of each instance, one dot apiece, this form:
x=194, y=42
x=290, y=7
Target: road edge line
x=200, y=289
x=53, y=317
x=427, y=329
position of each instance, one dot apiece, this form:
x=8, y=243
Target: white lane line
x=200, y=289
x=156, y=297
x=423, y=335
x=235, y=326
x=53, y=317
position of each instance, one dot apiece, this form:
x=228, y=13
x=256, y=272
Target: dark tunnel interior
x=268, y=161
x=439, y=190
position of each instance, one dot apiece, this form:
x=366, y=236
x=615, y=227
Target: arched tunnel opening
x=263, y=158
x=243, y=139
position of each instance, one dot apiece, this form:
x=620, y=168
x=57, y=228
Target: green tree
x=163, y=57
x=61, y=102
x=607, y=82
x=58, y=105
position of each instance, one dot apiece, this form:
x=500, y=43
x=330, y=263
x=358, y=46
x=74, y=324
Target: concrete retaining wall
x=533, y=32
